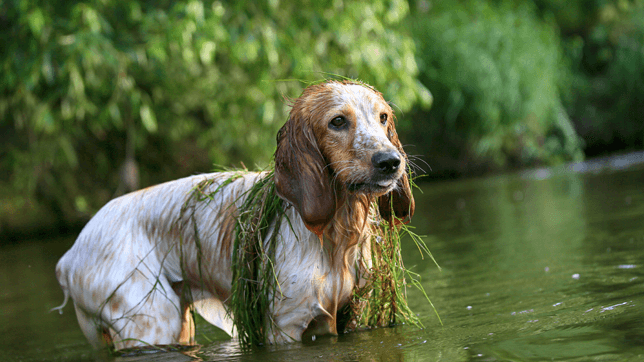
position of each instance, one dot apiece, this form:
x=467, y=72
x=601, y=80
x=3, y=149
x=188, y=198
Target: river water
x=536, y=266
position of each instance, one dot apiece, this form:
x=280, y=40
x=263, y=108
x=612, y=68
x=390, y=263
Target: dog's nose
x=386, y=162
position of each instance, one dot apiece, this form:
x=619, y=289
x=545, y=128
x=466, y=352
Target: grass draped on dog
x=381, y=302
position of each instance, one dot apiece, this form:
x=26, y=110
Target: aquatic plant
x=380, y=302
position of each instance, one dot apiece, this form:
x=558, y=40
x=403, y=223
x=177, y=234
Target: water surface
x=535, y=266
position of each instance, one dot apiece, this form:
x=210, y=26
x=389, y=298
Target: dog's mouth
x=377, y=188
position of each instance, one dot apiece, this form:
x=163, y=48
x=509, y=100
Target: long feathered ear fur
x=301, y=175
x=400, y=201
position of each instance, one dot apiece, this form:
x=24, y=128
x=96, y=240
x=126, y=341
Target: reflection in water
x=535, y=267
x=524, y=264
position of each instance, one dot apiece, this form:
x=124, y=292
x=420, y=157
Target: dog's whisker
x=414, y=158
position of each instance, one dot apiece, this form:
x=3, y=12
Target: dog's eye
x=383, y=118
x=338, y=122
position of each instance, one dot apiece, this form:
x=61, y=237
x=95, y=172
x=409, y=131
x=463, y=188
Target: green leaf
x=148, y=118
x=36, y=21
x=68, y=151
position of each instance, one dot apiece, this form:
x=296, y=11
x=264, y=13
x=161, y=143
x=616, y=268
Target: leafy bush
x=495, y=73
x=177, y=86
x=606, y=101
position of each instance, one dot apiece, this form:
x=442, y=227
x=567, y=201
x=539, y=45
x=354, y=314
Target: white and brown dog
x=337, y=155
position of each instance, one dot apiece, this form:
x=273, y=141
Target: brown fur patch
x=77, y=278
x=187, y=334
x=115, y=306
x=226, y=232
x=106, y=337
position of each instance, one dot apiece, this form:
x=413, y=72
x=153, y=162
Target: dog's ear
x=400, y=201
x=301, y=175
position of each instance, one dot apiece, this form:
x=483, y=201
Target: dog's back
x=125, y=268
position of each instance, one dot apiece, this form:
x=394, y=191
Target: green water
x=533, y=269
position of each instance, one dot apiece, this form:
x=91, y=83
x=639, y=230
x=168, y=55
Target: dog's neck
x=349, y=223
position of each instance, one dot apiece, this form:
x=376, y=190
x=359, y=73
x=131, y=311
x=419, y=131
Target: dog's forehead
x=358, y=96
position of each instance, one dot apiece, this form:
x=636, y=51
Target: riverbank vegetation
x=101, y=97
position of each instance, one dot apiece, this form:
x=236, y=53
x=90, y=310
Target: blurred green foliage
x=179, y=85
x=495, y=70
x=90, y=90
x=606, y=96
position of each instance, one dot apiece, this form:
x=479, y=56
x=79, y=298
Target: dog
x=338, y=162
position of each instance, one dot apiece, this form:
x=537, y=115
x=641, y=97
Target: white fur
x=369, y=133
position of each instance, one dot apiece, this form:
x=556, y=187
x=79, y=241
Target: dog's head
x=340, y=138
